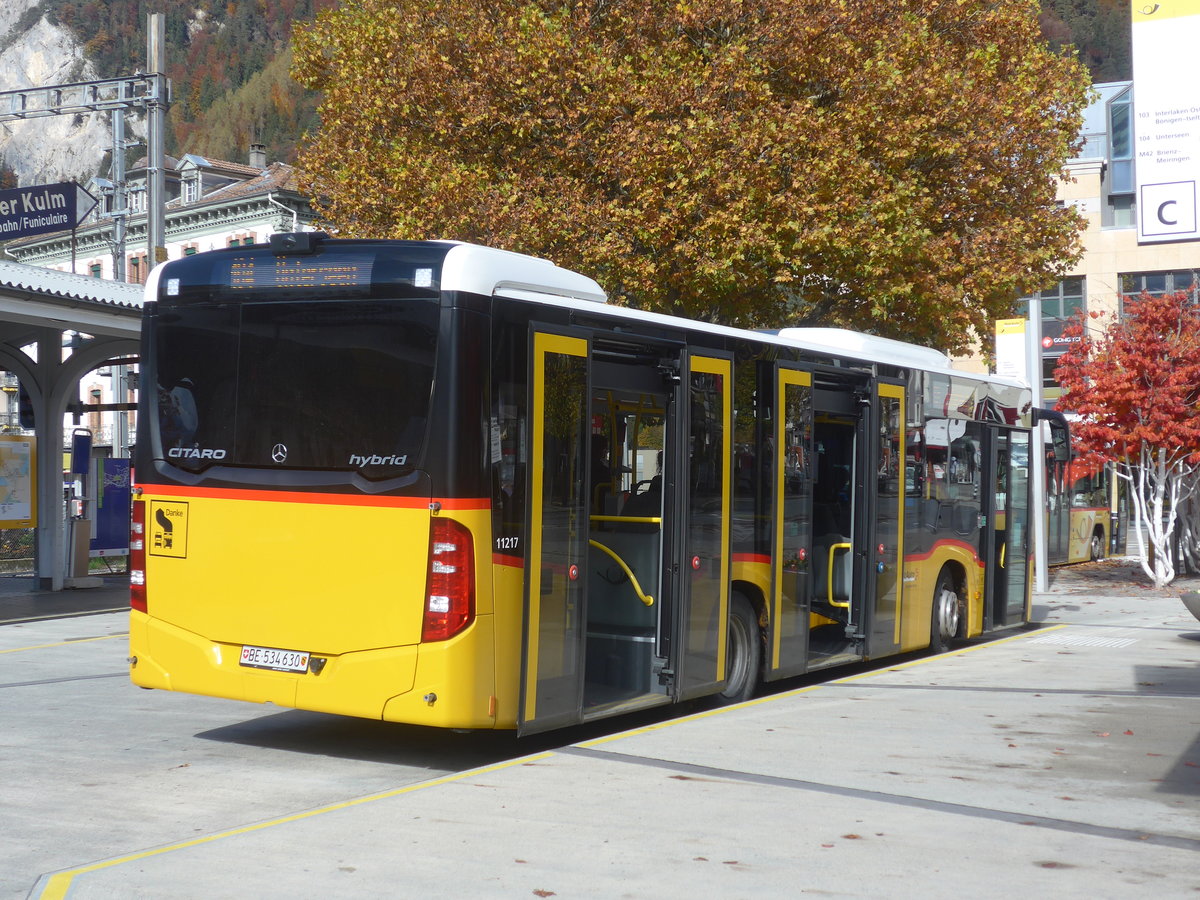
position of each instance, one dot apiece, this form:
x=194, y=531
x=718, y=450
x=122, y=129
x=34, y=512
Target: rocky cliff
x=53, y=148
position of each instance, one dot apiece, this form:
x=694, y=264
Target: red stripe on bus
x=762, y=558
x=962, y=545
x=501, y=559
x=448, y=503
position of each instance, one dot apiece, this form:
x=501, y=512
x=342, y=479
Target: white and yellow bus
x=1086, y=511
x=437, y=483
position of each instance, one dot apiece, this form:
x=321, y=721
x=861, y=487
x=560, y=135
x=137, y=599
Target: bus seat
x=966, y=518
x=648, y=503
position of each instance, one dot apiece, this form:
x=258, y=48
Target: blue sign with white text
x=43, y=208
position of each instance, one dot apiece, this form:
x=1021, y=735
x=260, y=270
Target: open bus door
x=887, y=456
x=613, y=620
x=839, y=478
x=557, y=535
x=1006, y=537
x=701, y=661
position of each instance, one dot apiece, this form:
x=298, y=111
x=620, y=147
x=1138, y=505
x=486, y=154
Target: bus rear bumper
x=449, y=685
x=352, y=684
x=455, y=684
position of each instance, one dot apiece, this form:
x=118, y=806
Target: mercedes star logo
x=279, y=453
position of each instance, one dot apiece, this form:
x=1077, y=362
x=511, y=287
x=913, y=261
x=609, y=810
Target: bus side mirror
x=1060, y=432
x=1061, y=439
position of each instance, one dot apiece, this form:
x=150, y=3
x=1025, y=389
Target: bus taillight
x=137, y=557
x=450, y=600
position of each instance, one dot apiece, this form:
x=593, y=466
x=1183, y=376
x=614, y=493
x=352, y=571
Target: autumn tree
x=1136, y=387
x=889, y=166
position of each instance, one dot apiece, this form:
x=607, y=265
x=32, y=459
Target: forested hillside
x=227, y=61
x=1098, y=29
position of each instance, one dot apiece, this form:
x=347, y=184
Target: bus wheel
x=1097, y=547
x=946, y=616
x=743, y=652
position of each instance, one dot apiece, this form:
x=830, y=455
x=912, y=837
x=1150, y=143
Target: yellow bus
x=1086, y=511
x=437, y=483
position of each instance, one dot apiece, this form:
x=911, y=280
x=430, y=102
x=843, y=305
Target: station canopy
x=37, y=307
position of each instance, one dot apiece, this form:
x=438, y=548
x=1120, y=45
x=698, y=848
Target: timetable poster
x=1166, y=103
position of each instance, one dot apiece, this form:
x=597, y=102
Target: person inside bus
x=645, y=504
x=177, y=413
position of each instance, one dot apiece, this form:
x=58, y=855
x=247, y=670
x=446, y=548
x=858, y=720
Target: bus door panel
x=885, y=545
x=791, y=563
x=839, y=495
x=1058, y=508
x=631, y=417
x=1006, y=537
x=702, y=563
x=551, y=681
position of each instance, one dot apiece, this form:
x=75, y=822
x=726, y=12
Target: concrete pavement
x=1061, y=761
x=22, y=601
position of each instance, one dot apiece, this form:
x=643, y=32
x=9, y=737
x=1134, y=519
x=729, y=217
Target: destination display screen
x=333, y=270
x=256, y=271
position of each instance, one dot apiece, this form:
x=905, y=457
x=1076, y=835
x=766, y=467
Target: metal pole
x=156, y=201
x=1037, y=450
x=120, y=441
x=119, y=196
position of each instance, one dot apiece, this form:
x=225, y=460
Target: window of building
x=1155, y=283
x=191, y=189
x=1060, y=302
x=96, y=270
x=136, y=268
x=191, y=250
x=1119, y=182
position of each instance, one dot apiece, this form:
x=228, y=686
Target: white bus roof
x=487, y=271
x=868, y=346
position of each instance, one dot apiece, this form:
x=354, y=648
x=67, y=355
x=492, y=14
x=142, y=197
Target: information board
x=18, y=481
x=1166, y=103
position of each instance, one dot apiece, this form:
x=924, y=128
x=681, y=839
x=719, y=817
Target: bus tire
x=743, y=652
x=946, y=614
x=1096, y=549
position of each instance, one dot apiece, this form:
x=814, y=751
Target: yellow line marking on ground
x=658, y=726
x=58, y=884
x=103, y=637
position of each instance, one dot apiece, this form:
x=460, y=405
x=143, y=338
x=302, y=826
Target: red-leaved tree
x=1136, y=387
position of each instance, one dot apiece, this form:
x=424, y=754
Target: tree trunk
x=1187, y=526
x=1154, y=514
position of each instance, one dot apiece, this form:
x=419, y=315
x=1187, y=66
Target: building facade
x=1102, y=186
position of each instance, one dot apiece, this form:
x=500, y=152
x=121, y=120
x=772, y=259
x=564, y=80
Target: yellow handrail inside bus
x=637, y=588
x=834, y=548
x=1003, y=547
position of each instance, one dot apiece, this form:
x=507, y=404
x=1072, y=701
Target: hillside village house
x=212, y=203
